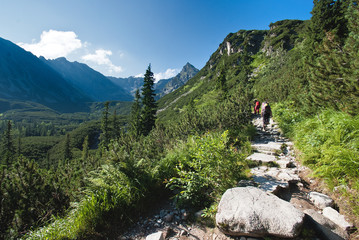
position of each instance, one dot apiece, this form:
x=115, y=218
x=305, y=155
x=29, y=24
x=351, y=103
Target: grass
x=329, y=144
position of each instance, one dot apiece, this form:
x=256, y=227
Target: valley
x=85, y=156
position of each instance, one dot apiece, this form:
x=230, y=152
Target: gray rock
x=252, y=212
x=320, y=200
x=262, y=157
x=337, y=218
x=155, y=236
x=246, y=183
x=168, y=217
x=325, y=227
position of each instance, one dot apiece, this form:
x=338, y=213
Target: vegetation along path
x=276, y=172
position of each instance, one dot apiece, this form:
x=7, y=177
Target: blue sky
x=120, y=38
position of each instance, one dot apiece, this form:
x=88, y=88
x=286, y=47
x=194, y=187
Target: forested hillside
x=195, y=146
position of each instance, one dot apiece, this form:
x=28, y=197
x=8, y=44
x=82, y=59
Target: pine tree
x=105, y=135
x=135, y=116
x=85, y=149
x=149, y=103
x=324, y=55
x=116, y=129
x=351, y=74
x=67, y=149
x=8, y=149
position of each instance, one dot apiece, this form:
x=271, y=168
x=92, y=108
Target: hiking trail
x=275, y=171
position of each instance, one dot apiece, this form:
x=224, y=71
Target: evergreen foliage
x=8, y=148
x=105, y=128
x=135, y=117
x=149, y=104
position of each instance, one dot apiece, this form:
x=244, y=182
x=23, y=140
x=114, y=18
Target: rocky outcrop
x=250, y=211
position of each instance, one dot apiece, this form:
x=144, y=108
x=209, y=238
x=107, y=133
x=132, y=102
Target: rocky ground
x=275, y=170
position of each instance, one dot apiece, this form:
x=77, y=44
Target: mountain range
x=85, y=79
x=66, y=86
x=24, y=77
x=163, y=86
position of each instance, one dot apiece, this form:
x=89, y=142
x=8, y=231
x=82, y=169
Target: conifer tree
x=149, y=103
x=135, y=116
x=324, y=54
x=67, y=149
x=351, y=74
x=116, y=129
x=19, y=146
x=105, y=135
x=85, y=149
x=8, y=149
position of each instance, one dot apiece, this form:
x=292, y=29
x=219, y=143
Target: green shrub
x=287, y=116
x=206, y=167
x=330, y=145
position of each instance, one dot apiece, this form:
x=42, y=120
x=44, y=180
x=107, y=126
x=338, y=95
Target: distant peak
x=189, y=66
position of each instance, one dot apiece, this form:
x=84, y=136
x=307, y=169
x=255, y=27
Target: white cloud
x=165, y=75
x=54, y=44
x=101, y=57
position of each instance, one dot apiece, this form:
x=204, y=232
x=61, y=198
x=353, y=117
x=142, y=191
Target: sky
x=121, y=38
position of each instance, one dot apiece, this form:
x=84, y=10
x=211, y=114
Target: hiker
x=257, y=105
x=266, y=113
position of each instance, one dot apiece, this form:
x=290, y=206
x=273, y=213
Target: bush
x=206, y=167
x=287, y=116
x=329, y=144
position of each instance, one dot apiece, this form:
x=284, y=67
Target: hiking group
x=266, y=112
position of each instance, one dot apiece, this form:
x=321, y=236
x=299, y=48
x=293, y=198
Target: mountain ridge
x=161, y=87
x=89, y=81
x=25, y=77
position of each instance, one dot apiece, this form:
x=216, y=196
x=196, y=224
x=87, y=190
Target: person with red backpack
x=266, y=113
x=257, y=106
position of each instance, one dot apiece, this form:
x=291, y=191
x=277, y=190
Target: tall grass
x=329, y=144
x=111, y=192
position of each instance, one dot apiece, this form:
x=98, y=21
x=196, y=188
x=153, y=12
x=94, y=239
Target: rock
x=269, y=184
x=337, y=218
x=324, y=227
x=252, y=212
x=273, y=179
x=183, y=233
x=262, y=157
x=168, y=217
x=291, y=165
x=155, y=236
x=269, y=146
x=320, y=200
x=246, y=183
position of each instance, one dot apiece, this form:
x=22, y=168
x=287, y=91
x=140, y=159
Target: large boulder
x=250, y=211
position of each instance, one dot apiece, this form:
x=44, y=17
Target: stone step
x=272, y=179
x=262, y=157
x=280, y=174
x=268, y=146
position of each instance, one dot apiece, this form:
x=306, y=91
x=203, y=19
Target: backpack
x=267, y=110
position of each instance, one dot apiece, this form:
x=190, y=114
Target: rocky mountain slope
x=188, y=71
x=236, y=60
x=163, y=86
